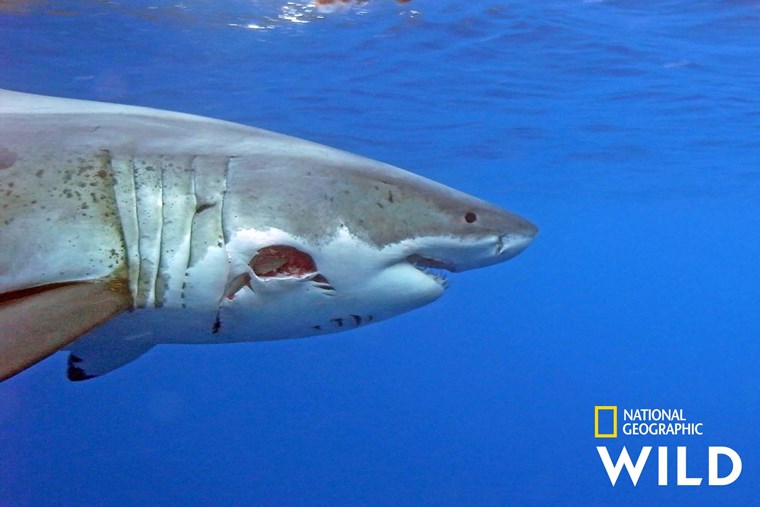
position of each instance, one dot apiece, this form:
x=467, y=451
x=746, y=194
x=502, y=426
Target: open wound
x=277, y=261
x=280, y=261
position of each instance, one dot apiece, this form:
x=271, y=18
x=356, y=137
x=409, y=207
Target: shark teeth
x=437, y=274
x=437, y=270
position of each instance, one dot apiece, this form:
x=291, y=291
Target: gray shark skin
x=184, y=229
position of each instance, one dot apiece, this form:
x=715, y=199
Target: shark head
x=343, y=241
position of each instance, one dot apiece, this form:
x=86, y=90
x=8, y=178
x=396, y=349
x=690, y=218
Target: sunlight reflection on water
x=248, y=14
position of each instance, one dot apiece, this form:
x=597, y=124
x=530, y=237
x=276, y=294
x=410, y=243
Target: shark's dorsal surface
x=194, y=230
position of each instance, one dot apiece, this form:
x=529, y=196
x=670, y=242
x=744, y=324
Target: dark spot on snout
x=7, y=158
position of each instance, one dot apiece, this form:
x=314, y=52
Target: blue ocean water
x=628, y=131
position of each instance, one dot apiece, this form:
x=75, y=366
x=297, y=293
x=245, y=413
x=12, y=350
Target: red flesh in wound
x=282, y=260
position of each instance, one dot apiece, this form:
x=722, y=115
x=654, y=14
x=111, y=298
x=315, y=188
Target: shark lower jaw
x=433, y=268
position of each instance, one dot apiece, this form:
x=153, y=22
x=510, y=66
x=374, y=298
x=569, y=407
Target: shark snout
x=507, y=236
x=519, y=235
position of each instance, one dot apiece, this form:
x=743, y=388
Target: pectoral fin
x=35, y=323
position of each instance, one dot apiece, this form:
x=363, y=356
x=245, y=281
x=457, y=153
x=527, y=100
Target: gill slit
x=191, y=237
x=123, y=177
x=157, y=294
x=225, y=238
x=159, y=220
x=225, y=181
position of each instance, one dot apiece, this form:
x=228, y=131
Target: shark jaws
x=124, y=227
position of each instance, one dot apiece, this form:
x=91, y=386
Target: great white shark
x=123, y=227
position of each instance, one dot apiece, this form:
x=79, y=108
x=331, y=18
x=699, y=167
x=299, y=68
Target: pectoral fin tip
x=75, y=373
x=94, y=356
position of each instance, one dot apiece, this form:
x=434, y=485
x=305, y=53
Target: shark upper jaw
x=432, y=256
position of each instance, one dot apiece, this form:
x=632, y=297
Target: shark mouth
x=433, y=268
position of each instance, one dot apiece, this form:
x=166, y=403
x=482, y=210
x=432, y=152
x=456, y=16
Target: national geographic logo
x=658, y=422
x=604, y=410
x=644, y=421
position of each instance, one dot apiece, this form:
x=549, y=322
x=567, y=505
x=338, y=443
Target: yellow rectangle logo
x=605, y=408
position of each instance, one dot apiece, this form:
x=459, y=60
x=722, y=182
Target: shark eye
x=470, y=217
